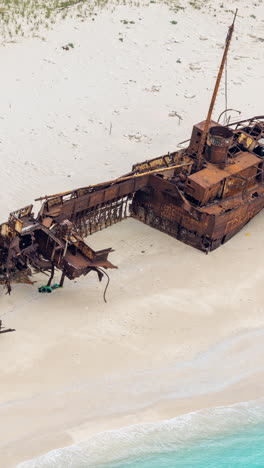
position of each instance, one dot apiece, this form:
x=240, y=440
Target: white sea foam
x=137, y=440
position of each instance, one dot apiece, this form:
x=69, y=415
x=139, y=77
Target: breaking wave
x=158, y=444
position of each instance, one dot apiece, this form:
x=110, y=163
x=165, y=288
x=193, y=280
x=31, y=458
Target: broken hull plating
x=202, y=229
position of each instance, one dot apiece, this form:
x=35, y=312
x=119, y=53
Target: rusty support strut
x=212, y=103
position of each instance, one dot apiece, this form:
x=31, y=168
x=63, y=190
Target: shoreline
x=85, y=434
x=116, y=413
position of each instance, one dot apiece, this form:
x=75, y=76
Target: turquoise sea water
x=244, y=449
x=228, y=437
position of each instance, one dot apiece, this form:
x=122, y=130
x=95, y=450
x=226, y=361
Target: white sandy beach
x=181, y=330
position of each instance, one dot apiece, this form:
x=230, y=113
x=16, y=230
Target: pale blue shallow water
x=244, y=449
x=221, y=437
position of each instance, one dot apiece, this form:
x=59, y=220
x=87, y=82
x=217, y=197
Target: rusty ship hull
x=205, y=229
x=202, y=205
x=213, y=203
x=203, y=208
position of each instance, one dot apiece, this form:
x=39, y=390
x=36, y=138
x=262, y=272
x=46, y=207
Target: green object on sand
x=48, y=289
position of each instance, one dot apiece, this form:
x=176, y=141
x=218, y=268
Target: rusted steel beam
x=214, y=95
x=111, y=182
x=7, y=330
x=251, y=119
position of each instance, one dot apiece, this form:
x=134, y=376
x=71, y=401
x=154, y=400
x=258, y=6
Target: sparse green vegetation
x=20, y=18
x=198, y=4
x=195, y=4
x=26, y=17
x=68, y=46
x=127, y=22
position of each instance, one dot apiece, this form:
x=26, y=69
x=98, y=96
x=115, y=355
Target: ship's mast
x=217, y=83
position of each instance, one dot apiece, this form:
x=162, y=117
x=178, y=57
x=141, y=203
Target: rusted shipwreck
x=202, y=195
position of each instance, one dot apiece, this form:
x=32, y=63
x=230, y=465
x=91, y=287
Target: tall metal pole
x=217, y=83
